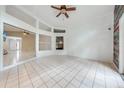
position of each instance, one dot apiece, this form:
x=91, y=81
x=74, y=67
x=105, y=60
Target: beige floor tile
x=63, y=83
x=56, y=86
x=70, y=86
x=50, y=83
x=60, y=72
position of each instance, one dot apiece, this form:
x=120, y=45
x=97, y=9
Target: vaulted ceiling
x=84, y=14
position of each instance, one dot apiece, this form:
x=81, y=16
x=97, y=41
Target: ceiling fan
x=63, y=10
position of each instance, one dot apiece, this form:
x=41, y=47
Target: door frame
x=15, y=38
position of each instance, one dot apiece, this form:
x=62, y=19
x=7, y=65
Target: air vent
x=59, y=31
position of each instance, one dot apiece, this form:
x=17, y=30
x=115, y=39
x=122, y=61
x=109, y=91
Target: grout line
x=95, y=75
x=29, y=76
x=56, y=75
x=86, y=74
x=60, y=79
x=18, y=77
x=38, y=74
x=104, y=75
x=7, y=78
x=73, y=77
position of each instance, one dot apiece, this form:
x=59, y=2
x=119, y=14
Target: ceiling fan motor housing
x=63, y=10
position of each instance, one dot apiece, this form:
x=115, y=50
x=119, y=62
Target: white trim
x=2, y=10
x=1, y=45
x=121, y=44
x=13, y=37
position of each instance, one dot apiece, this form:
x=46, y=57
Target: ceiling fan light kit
x=63, y=10
x=25, y=33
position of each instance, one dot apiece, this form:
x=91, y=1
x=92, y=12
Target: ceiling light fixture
x=25, y=33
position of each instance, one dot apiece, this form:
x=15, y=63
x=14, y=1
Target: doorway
x=14, y=43
x=18, y=46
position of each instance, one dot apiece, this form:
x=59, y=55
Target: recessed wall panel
x=19, y=14
x=44, y=27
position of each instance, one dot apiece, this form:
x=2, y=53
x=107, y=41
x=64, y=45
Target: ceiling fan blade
x=66, y=15
x=58, y=14
x=55, y=7
x=70, y=9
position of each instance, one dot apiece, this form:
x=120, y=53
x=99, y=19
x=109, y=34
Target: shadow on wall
x=91, y=44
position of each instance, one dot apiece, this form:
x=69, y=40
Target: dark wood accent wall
x=118, y=11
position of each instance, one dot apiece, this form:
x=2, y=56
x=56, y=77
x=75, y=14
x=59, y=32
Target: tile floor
x=17, y=56
x=61, y=72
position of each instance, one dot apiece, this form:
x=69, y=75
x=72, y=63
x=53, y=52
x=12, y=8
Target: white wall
x=92, y=41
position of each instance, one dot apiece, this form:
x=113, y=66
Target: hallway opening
x=16, y=45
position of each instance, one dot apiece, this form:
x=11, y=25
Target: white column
x=121, y=44
x=2, y=8
x=1, y=45
x=53, y=41
x=37, y=39
x=37, y=44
